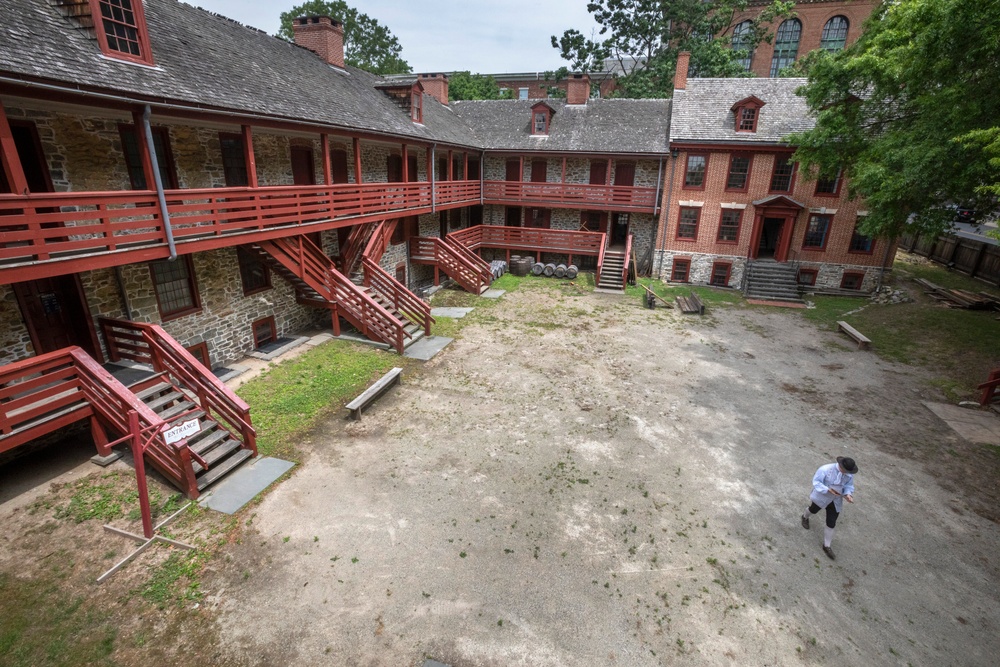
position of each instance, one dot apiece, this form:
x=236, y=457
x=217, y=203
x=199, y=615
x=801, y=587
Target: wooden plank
x=862, y=340
x=373, y=392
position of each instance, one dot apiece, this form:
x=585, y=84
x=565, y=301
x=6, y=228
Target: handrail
x=354, y=246
x=447, y=258
x=562, y=241
x=408, y=304
x=379, y=240
x=165, y=354
x=628, y=253
x=571, y=195
x=600, y=257
x=474, y=260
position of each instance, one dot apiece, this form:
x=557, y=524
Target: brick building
x=733, y=196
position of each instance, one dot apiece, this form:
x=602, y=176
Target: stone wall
x=647, y=172
x=15, y=342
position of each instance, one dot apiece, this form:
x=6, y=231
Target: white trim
x=691, y=204
x=741, y=207
x=823, y=211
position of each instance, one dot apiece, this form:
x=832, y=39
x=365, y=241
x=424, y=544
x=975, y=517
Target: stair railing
x=412, y=307
x=600, y=256
x=150, y=344
x=474, y=260
x=628, y=253
x=355, y=245
x=379, y=240
x=454, y=263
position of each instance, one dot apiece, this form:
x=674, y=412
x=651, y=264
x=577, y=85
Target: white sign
x=182, y=431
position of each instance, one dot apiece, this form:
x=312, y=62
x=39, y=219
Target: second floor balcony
x=571, y=195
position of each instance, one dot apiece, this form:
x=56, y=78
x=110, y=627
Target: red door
x=598, y=172
x=303, y=172
x=625, y=174
x=338, y=166
x=55, y=314
x=539, y=171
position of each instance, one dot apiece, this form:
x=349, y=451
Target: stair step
x=217, y=455
x=224, y=468
x=152, y=391
x=176, y=410
x=161, y=402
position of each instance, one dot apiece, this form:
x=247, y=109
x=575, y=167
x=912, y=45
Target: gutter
x=432, y=174
x=164, y=212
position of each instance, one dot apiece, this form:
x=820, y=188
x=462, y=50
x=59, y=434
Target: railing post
x=140, y=473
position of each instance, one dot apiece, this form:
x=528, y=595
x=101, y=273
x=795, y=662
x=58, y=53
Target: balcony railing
x=559, y=241
x=571, y=195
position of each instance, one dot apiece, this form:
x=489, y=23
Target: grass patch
x=291, y=397
x=42, y=625
x=913, y=266
x=177, y=580
x=708, y=295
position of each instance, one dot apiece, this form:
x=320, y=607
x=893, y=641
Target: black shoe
x=805, y=522
x=829, y=552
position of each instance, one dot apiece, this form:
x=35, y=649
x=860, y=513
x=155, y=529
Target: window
x=593, y=221
x=816, y=232
x=739, y=173
x=541, y=123
x=694, y=174
x=522, y=93
x=747, y=120
x=512, y=217
x=687, y=224
x=807, y=277
x=781, y=177
x=200, y=352
x=121, y=29
x=741, y=44
x=417, y=105
x=176, y=291
x=860, y=242
x=680, y=269
x=829, y=187
x=834, y=37
x=264, y=332
x=720, y=274
x=729, y=225
x=786, y=45
x=234, y=162
x=133, y=157
x=253, y=272
x=852, y=281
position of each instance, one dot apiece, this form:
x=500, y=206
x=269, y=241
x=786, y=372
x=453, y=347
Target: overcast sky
x=450, y=35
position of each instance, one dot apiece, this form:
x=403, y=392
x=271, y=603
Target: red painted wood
x=247, y=132
x=571, y=195
x=356, y=142
x=11, y=162
x=530, y=239
x=324, y=142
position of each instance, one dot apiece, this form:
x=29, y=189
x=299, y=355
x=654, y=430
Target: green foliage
x=643, y=37
x=466, y=86
x=104, y=498
x=910, y=112
x=293, y=396
x=176, y=581
x=368, y=44
x=44, y=625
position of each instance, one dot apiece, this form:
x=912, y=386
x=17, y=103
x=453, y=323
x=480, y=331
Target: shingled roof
x=703, y=113
x=206, y=60
x=600, y=126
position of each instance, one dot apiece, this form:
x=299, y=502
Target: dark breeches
x=831, y=513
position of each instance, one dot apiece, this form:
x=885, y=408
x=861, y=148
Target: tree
x=643, y=38
x=911, y=112
x=368, y=44
x=466, y=86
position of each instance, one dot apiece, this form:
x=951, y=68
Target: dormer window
x=417, y=104
x=747, y=113
x=541, y=117
x=121, y=30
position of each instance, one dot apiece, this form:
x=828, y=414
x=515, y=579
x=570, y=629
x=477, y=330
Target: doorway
x=55, y=312
x=303, y=171
x=770, y=236
x=619, y=230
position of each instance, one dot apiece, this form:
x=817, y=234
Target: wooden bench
x=863, y=341
x=690, y=304
x=373, y=392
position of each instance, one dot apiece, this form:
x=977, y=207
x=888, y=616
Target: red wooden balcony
x=571, y=195
x=91, y=230
x=532, y=239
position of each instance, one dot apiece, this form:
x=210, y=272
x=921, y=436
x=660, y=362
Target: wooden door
x=473, y=169
x=594, y=221
x=598, y=172
x=539, y=171
x=338, y=166
x=303, y=171
x=55, y=314
x=394, y=169
x=513, y=170
x=625, y=174
x=411, y=168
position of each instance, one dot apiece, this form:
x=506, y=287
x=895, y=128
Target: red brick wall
x=813, y=16
x=714, y=195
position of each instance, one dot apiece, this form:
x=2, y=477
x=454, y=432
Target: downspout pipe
x=482, y=176
x=168, y=228
x=432, y=175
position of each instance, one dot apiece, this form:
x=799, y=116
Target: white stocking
x=827, y=536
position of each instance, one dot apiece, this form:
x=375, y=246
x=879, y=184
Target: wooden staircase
x=773, y=281
x=612, y=271
x=452, y=258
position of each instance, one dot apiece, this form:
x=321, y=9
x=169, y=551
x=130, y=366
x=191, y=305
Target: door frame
x=77, y=292
x=780, y=207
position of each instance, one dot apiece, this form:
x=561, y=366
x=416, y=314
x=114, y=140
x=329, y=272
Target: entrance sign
x=182, y=431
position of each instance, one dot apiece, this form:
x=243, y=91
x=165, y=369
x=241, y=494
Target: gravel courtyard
x=581, y=481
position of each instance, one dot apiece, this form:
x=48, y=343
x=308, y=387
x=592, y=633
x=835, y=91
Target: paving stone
x=426, y=348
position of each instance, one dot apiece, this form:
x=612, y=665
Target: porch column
x=465, y=166
x=324, y=142
x=12, y=168
x=406, y=168
x=451, y=171
x=248, y=156
x=563, y=181
x=144, y=156
x=356, y=143
x=758, y=227
x=520, y=171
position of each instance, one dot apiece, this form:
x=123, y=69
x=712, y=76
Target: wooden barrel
x=537, y=268
x=572, y=271
x=548, y=270
x=561, y=271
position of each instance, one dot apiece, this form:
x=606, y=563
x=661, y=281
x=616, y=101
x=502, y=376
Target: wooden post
x=406, y=167
x=451, y=171
x=144, y=157
x=11, y=161
x=465, y=166
x=356, y=142
x=140, y=473
x=520, y=173
x=248, y=156
x=324, y=142
x=607, y=173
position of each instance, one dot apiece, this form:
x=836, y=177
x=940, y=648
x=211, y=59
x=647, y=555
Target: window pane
x=174, y=287
x=729, y=225
x=739, y=171
x=781, y=180
x=860, y=242
x=748, y=119
x=687, y=227
x=680, y=268
x=741, y=44
x=720, y=275
x=120, y=26
x=834, y=36
x=253, y=272
x=695, y=176
x=234, y=164
x=816, y=231
x=828, y=186
x=786, y=45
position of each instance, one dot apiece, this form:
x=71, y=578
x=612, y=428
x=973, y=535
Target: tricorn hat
x=848, y=464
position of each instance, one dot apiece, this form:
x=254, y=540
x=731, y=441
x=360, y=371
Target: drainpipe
x=482, y=174
x=432, y=175
x=666, y=212
x=164, y=213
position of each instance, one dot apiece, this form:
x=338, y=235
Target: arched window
x=834, y=36
x=741, y=44
x=786, y=45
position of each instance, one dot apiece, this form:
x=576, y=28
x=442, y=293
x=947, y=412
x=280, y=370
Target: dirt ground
x=580, y=481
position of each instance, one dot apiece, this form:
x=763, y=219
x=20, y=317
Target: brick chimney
x=435, y=85
x=578, y=89
x=322, y=35
x=681, y=72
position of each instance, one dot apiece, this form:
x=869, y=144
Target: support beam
x=144, y=157
x=12, y=168
x=465, y=166
x=451, y=171
x=406, y=167
x=356, y=143
x=324, y=142
x=520, y=169
x=248, y=156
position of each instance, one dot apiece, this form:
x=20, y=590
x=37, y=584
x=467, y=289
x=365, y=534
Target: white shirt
x=829, y=477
